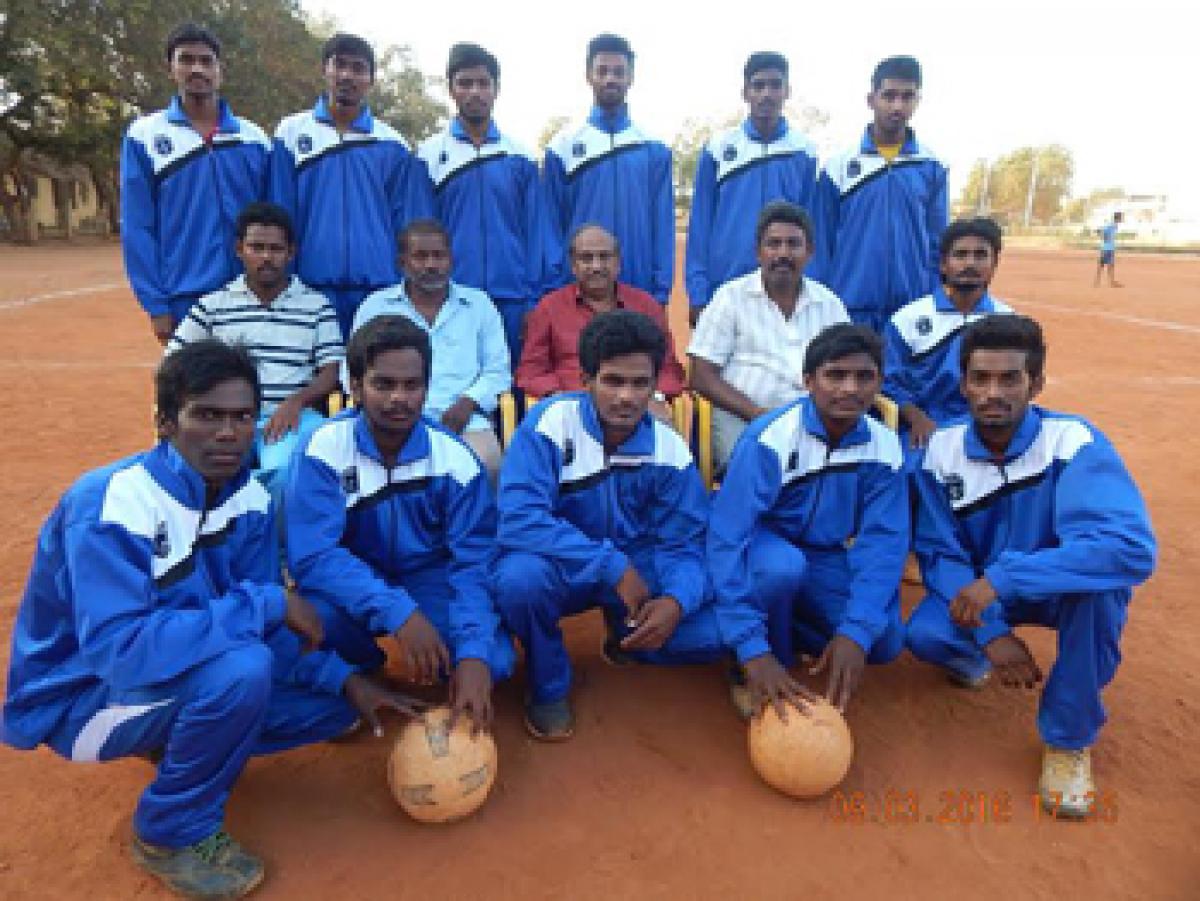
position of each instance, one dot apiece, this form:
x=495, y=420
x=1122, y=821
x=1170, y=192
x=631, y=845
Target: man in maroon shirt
x=550, y=356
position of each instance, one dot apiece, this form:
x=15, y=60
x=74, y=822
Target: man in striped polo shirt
x=290, y=330
x=748, y=348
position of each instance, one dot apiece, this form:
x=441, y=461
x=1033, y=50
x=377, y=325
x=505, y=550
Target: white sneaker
x=1066, y=787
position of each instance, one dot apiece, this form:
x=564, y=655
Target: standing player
x=739, y=172
x=882, y=205
x=487, y=193
x=609, y=172
x=921, y=342
x=186, y=173
x=153, y=626
x=349, y=182
x=1028, y=517
x=1108, y=251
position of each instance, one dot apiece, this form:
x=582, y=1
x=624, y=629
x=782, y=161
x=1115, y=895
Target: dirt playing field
x=655, y=798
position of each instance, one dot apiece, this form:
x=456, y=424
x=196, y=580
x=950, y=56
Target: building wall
x=84, y=204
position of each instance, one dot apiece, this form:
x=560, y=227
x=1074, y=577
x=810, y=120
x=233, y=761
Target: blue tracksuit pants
x=345, y=303
x=804, y=596
x=512, y=313
x=354, y=642
x=206, y=722
x=1089, y=626
x=534, y=596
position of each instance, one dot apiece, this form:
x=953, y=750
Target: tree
x=401, y=96
x=553, y=126
x=1025, y=186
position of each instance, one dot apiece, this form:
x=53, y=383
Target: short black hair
x=423, y=227
x=467, y=56
x=841, y=340
x=898, y=68
x=588, y=226
x=191, y=33
x=263, y=213
x=982, y=227
x=784, y=211
x=765, y=59
x=608, y=43
x=381, y=334
x=616, y=334
x=1006, y=331
x=348, y=45
x=197, y=368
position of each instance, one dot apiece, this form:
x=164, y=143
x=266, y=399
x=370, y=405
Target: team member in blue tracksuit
x=609, y=172
x=809, y=531
x=882, y=206
x=739, y=173
x=488, y=195
x=349, y=182
x=391, y=526
x=186, y=173
x=1028, y=517
x=921, y=343
x=602, y=505
x=153, y=624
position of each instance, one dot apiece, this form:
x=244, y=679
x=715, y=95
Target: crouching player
x=809, y=532
x=602, y=505
x=153, y=625
x=1028, y=517
x=391, y=527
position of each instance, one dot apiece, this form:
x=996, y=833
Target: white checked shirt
x=758, y=350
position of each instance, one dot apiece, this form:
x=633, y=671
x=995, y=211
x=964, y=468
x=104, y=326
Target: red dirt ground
x=655, y=797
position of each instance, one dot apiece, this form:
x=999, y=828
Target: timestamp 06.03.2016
x=957, y=807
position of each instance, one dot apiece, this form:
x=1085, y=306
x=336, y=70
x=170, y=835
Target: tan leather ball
x=804, y=756
x=438, y=775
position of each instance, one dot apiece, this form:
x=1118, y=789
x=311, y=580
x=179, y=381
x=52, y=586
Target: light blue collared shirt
x=470, y=356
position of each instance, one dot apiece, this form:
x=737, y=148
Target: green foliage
x=1002, y=189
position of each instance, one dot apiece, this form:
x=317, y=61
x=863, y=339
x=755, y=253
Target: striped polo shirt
x=290, y=339
x=758, y=350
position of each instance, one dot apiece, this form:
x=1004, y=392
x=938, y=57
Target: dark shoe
x=217, y=867
x=971, y=682
x=552, y=721
x=614, y=654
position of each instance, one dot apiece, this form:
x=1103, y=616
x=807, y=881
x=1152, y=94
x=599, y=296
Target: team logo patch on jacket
x=568, y=452
x=443, y=158
x=162, y=542
x=579, y=148
x=853, y=168
x=730, y=153
x=304, y=144
x=163, y=145
x=955, y=487
x=924, y=325
x=350, y=480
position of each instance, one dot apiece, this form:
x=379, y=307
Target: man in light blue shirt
x=1108, y=251
x=470, y=355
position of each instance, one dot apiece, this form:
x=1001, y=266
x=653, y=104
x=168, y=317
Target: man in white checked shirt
x=748, y=347
x=290, y=330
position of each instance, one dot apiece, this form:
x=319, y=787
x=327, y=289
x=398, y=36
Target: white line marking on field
x=57, y=295
x=1166, y=325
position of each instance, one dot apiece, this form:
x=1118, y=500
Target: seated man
x=470, y=356
x=153, y=625
x=809, y=532
x=1028, y=517
x=921, y=341
x=290, y=331
x=550, y=358
x=391, y=524
x=748, y=347
x=601, y=505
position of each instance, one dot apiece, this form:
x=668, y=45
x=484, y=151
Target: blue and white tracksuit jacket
x=572, y=520
x=1059, y=529
x=490, y=200
x=879, y=225
x=609, y=172
x=350, y=196
x=921, y=345
x=738, y=173
x=370, y=545
x=180, y=198
x=807, y=540
x=150, y=615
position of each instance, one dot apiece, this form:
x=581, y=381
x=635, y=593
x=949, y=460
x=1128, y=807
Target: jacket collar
x=364, y=122
x=1022, y=438
x=908, y=148
x=415, y=448
x=170, y=470
x=639, y=444
x=618, y=123
x=814, y=425
x=751, y=132
x=943, y=304
x=227, y=122
x=459, y=131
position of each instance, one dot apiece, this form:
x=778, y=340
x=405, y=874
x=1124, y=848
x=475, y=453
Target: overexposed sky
x=1114, y=82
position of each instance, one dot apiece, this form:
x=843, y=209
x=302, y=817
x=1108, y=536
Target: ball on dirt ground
x=802, y=756
x=438, y=774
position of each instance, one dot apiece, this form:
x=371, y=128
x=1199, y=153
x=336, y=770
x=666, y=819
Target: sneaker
x=552, y=721
x=217, y=867
x=614, y=654
x=969, y=682
x=739, y=692
x=1066, y=787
